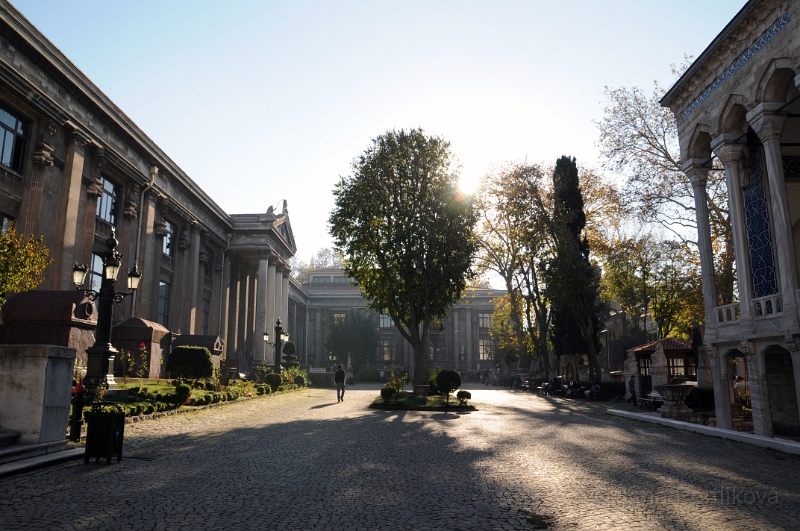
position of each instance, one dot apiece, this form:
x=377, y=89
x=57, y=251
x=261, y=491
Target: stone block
x=35, y=390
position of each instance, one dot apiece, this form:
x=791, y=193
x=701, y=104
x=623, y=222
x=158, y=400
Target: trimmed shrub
x=182, y=394
x=387, y=392
x=463, y=396
x=448, y=381
x=273, y=380
x=300, y=381
x=191, y=362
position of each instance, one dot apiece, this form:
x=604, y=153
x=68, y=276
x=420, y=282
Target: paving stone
x=302, y=461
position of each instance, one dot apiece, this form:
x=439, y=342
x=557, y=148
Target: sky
x=261, y=101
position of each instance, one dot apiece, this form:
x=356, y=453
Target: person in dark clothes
x=632, y=389
x=339, y=378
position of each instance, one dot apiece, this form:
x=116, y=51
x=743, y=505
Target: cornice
x=52, y=60
x=749, y=24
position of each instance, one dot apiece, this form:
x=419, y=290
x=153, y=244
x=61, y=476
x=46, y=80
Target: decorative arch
x=732, y=118
x=775, y=80
x=700, y=142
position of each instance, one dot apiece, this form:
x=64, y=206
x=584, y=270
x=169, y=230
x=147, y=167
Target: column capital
x=77, y=139
x=697, y=171
x=264, y=254
x=726, y=148
x=765, y=122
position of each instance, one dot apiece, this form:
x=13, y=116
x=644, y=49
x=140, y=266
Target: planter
x=674, y=397
x=421, y=390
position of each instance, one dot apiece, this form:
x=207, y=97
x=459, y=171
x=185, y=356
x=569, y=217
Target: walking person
x=339, y=378
x=632, y=389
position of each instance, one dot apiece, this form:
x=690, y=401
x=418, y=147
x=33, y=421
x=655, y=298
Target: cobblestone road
x=302, y=461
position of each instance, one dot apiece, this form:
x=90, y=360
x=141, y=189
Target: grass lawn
x=407, y=401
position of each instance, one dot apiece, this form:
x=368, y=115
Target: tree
x=21, y=263
x=406, y=232
x=502, y=330
x=639, y=139
x=325, y=258
x=354, y=340
x=572, y=281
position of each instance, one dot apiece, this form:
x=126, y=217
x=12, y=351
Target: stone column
x=468, y=339
x=244, y=308
x=271, y=315
x=42, y=159
x=729, y=154
x=759, y=397
x=251, y=312
x=722, y=399
x=66, y=251
x=769, y=126
x=195, y=282
x=698, y=175
x=261, y=310
x=150, y=262
x=285, y=300
x=232, y=339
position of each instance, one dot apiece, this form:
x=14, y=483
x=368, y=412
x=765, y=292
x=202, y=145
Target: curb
x=747, y=438
x=25, y=465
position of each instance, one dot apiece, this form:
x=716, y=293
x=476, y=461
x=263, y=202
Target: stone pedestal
x=674, y=401
x=659, y=371
x=35, y=390
x=421, y=390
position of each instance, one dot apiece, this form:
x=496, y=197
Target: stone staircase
x=11, y=450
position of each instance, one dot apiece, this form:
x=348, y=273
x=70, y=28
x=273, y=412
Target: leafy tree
x=325, y=258
x=572, y=282
x=639, y=139
x=501, y=330
x=406, y=232
x=354, y=340
x=21, y=263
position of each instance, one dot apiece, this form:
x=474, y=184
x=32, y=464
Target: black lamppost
x=100, y=363
x=280, y=338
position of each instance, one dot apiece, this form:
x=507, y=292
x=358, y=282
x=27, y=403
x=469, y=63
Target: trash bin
x=104, y=433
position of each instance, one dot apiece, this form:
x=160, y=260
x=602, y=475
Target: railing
x=768, y=306
x=728, y=313
x=11, y=181
x=166, y=262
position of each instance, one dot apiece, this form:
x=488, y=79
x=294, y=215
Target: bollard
x=78, y=401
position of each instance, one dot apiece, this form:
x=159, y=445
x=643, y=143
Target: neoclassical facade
x=463, y=342
x=73, y=166
x=740, y=103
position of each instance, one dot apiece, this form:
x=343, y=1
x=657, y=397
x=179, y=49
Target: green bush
x=182, y=394
x=273, y=380
x=463, y=396
x=448, y=381
x=387, y=392
x=367, y=376
x=300, y=381
x=191, y=362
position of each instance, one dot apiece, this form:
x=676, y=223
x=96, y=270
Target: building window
x=107, y=204
x=386, y=350
x=485, y=349
x=163, y=304
x=12, y=143
x=335, y=318
x=209, y=265
x=341, y=280
x=676, y=367
x=5, y=222
x=205, y=314
x=386, y=321
x=322, y=280
x=95, y=274
x=483, y=320
x=169, y=235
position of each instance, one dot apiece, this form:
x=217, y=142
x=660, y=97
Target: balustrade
x=769, y=306
x=728, y=313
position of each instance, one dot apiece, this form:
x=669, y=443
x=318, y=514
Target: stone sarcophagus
x=145, y=343
x=63, y=318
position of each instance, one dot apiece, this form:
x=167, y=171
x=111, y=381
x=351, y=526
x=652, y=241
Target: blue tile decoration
x=791, y=167
x=740, y=61
x=759, y=235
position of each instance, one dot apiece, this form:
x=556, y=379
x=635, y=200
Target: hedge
x=190, y=362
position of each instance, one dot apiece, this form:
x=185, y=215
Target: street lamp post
x=100, y=363
x=280, y=338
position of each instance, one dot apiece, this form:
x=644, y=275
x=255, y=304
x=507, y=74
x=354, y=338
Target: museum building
x=75, y=169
